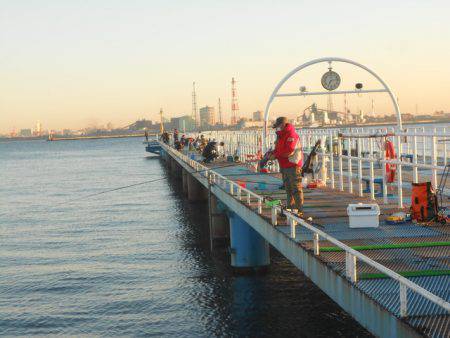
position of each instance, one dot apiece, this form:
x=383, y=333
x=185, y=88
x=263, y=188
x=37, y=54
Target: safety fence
x=352, y=257
x=365, y=157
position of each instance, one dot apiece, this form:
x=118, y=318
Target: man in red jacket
x=289, y=155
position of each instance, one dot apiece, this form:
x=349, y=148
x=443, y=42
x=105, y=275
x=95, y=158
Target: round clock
x=331, y=80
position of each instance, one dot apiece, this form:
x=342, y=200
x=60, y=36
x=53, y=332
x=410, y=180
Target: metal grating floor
x=328, y=209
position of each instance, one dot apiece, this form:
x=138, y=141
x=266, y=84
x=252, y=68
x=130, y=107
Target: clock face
x=331, y=80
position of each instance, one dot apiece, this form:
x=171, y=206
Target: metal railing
x=232, y=187
x=352, y=256
x=424, y=151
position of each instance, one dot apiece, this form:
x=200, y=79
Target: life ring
x=390, y=167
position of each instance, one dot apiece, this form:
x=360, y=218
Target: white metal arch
x=329, y=59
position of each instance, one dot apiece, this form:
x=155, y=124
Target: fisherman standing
x=210, y=152
x=289, y=154
x=221, y=149
x=203, y=142
x=165, y=137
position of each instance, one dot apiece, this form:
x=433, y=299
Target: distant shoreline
x=75, y=138
x=71, y=138
x=95, y=137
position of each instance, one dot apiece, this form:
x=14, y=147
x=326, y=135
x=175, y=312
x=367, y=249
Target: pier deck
x=421, y=253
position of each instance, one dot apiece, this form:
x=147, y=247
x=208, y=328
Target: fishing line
x=128, y=186
x=124, y=187
x=110, y=190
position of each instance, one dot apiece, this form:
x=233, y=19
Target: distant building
x=258, y=115
x=67, y=132
x=25, y=133
x=38, y=130
x=141, y=125
x=246, y=124
x=183, y=123
x=207, y=116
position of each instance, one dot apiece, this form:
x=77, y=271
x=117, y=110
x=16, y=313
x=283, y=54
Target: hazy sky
x=76, y=63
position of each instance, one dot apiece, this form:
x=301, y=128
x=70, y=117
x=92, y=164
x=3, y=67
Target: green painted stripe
x=406, y=274
x=387, y=246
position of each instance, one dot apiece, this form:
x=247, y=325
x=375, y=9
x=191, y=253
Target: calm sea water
x=134, y=261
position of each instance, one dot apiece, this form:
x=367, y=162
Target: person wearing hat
x=289, y=154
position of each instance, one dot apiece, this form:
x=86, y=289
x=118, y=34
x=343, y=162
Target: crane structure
x=194, y=105
x=234, y=103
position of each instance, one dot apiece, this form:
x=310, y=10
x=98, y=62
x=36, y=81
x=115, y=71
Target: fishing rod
x=376, y=135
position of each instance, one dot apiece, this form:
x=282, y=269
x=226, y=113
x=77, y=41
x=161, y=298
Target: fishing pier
x=393, y=279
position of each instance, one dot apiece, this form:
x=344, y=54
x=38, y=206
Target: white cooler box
x=363, y=215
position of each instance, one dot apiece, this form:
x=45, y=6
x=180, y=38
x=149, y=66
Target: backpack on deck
x=423, y=202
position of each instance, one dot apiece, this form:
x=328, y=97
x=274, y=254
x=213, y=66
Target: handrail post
x=350, y=267
x=371, y=171
x=316, y=244
x=415, y=171
x=433, y=160
x=445, y=148
x=360, y=185
x=341, y=171
x=424, y=146
x=403, y=300
x=383, y=171
x=260, y=205
x=274, y=216
x=349, y=166
x=331, y=159
x=292, y=224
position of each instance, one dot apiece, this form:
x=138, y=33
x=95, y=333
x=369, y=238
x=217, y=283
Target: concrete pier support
x=184, y=177
x=168, y=162
x=175, y=169
x=196, y=191
x=218, y=221
x=249, y=250
x=173, y=165
x=163, y=154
